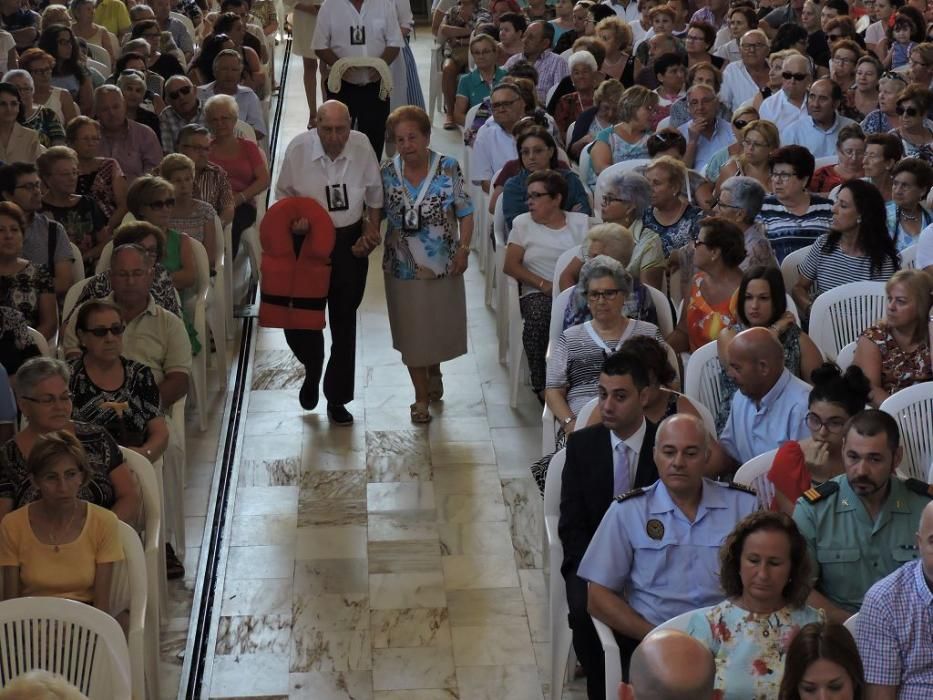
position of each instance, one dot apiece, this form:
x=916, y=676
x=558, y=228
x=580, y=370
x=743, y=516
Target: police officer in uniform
x=656, y=552
x=860, y=526
x=336, y=167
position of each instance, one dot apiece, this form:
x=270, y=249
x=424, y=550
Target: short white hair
x=224, y=102
x=582, y=58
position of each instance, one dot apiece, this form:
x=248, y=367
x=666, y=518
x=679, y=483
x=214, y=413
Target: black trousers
x=586, y=643
x=347, y=284
x=244, y=216
x=367, y=112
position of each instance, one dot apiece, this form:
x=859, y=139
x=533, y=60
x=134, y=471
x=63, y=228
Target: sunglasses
x=891, y=75
x=799, y=77
x=162, y=203
x=116, y=330
x=175, y=94
x=741, y=123
x=909, y=111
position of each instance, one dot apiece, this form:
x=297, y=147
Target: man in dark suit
x=603, y=461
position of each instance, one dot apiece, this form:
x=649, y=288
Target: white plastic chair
x=558, y=309
x=701, y=382
x=516, y=351
x=909, y=257
x=562, y=262
x=434, y=79
x=153, y=533
x=663, y=308
x=198, y=300
x=77, y=264
x=583, y=417
x=71, y=298
x=851, y=624
x=754, y=468
x=99, y=54
x=790, y=267
x=664, y=123
x=129, y=592
x=40, y=341
x=839, y=316
x=501, y=295
x=824, y=161
x=189, y=25
x=221, y=296
x=846, y=355
x=912, y=408
x=561, y=636
x=98, y=662
x=792, y=307
x=171, y=481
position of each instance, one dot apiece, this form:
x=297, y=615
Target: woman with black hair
x=762, y=302
x=165, y=64
x=231, y=25
x=800, y=466
x=857, y=248
x=60, y=43
x=17, y=143
x=201, y=70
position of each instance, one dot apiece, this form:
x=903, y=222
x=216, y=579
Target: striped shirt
x=894, y=630
x=830, y=270
x=788, y=231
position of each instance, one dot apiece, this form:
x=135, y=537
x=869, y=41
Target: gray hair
x=105, y=89
x=139, y=11
x=131, y=76
x=747, y=193
x=37, y=370
x=138, y=45
x=632, y=188
x=225, y=102
x=604, y=266
x=227, y=53
x=582, y=58
x=18, y=73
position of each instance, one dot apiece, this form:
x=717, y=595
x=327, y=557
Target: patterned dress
x=46, y=123
x=899, y=368
x=749, y=649
x=704, y=321
x=21, y=291
x=98, y=185
x=83, y=221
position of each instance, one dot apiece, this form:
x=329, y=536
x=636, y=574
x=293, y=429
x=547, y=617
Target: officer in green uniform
x=860, y=526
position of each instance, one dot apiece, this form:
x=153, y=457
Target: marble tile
x=248, y=530
x=332, y=485
x=470, y=508
x=526, y=515
x=316, y=649
x=513, y=448
x=331, y=513
x=470, y=608
x=257, y=597
x=272, y=400
x=260, y=562
x=195, y=500
x=278, y=423
x=410, y=590
x=266, y=500
x=472, y=429
x=318, y=576
x=515, y=682
x=485, y=538
x=475, y=571
x=345, y=542
x=335, y=685
x=538, y=623
x=180, y=598
x=249, y=675
x=400, y=455
x=277, y=369
x=533, y=586
x=418, y=627
x=386, y=527
x=400, y=496
x=462, y=453
x=286, y=448
x=466, y=478
x=417, y=694
x=401, y=557
x=253, y=634
x=269, y=472
x=488, y=645
x=347, y=611
x=405, y=669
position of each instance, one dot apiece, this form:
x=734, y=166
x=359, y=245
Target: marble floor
x=384, y=561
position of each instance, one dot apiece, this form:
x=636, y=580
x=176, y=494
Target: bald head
x=332, y=110
x=655, y=676
x=756, y=361
x=761, y=343
x=333, y=127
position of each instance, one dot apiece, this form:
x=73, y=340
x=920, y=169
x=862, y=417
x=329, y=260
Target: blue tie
x=622, y=481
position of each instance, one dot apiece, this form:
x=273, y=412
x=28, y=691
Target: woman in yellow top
x=59, y=545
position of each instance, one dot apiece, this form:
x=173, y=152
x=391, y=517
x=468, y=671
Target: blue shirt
x=708, y=147
x=755, y=429
x=645, y=546
x=474, y=88
x=820, y=142
x=894, y=630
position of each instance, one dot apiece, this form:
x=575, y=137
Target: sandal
x=449, y=123
x=312, y=121
x=435, y=387
x=420, y=413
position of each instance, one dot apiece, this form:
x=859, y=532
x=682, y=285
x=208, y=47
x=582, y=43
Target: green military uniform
x=849, y=552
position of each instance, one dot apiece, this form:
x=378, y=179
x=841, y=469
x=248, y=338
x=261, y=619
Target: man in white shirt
x=818, y=130
x=494, y=145
x=338, y=169
x=740, y=81
x=228, y=67
x=706, y=133
x=354, y=29
x=784, y=107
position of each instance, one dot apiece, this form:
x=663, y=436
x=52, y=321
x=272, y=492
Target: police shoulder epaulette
x=919, y=486
x=629, y=494
x=740, y=487
x=814, y=495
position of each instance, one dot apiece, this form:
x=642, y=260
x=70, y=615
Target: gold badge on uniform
x=655, y=529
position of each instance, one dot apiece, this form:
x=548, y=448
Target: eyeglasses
x=844, y=61
x=852, y=152
x=504, y=104
x=692, y=37
x=28, y=186
x=607, y=294
x=741, y=123
x=160, y=204
x=833, y=425
x=50, y=399
x=908, y=111
x=722, y=205
x=609, y=199
x=175, y=94
x=116, y=330
x=799, y=77
x=891, y=75
x=538, y=195
x=782, y=175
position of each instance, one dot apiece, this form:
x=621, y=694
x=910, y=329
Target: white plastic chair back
x=103, y=262
x=199, y=320
x=99, y=54
x=792, y=307
x=664, y=123
x=585, y=167
x=79, y=642
x=72, y=295
x=754, y=468
x=663, y=308
x=40, y=341
x=681, y=621
x=569, y=134
x=557, y=590
x=583, y=416
x=851, y=624
x=128, y=592
x=245, y=131
x=824, y=161
x=77, y=263
x=701, y=382
x=708, y=421
x=909, y=257
x=790, y=267
x=839, y=316
x=562, y=262
x=912, y=408
x=501, y=295
x=846, y=355
x=189, y=25
x=558, y=309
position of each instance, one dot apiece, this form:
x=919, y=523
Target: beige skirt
x=427, y=319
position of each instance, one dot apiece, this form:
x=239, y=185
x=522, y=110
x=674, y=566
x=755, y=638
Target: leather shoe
x=339, y=415
x=308, y=396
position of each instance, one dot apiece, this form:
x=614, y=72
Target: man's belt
x=300, y=303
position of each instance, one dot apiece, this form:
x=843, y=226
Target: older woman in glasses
x=39, y=65
x=43, y=396
x=99, y=177
x=915, y=132
x=885, y=118
x=850, y=146
x=39, y=118
x=882, y=153
x=911, y=179
x=111, y=391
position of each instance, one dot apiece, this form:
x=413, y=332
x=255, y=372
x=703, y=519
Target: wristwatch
x=568, y=420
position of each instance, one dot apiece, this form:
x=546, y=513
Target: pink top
x=241, y=168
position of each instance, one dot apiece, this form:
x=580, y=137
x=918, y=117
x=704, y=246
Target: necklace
x=55, y=544
x=909, y=217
